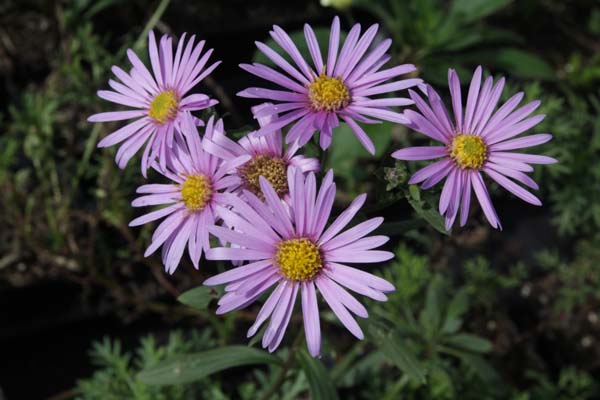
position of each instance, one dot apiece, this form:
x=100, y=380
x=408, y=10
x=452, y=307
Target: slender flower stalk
x=292, y=250
x=268, y=158
x=159, y=100
x=198, y=185
x=478, y=140
x=314, y=99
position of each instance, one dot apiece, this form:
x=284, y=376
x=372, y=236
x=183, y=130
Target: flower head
x=291, y=249
x=477, y=141
x=199, y=181
x=267, y=158
x=315, y=99
x=159, y=100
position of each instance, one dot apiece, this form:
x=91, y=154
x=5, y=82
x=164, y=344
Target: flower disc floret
x=196, y=192
x=164, y=107
x=327, y=93
x=274, y=169
x=468, y=151
x=298, y=259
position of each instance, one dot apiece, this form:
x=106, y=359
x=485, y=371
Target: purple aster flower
x=199, y=181
x=315, y=99
x=478, y=140
x=268, y=158
x=159, y=101
x=294, y=252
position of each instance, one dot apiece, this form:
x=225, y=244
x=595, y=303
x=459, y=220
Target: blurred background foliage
x=478, y=314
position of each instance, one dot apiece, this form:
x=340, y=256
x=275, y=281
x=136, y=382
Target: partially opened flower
x=159, y=100
x=315, y=99
x=477, y=141
x=199, y=181
x=295, y=252
x=268, y=158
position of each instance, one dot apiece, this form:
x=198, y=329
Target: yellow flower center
x=328, y=94
x=298, y=259
x=468, y=151
x=274, y=169
x=196, y=192
x=164, y=106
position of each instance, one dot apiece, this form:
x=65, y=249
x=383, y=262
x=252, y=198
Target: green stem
x=160, y=10
x=284, y=369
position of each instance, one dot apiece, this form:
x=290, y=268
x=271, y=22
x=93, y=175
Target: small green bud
x=338, y=4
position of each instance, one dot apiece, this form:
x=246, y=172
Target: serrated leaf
x=395, y=350
x=195, y=366
x=319, y=381
x=469, y=342
x=198, y=298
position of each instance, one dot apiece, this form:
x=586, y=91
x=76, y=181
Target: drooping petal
x=310, y=312
x=339, y=309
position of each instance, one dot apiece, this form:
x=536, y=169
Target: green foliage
x=199, y=297
x=575, y=281
x=433, y=35
x=347, y=152
x=574, y=121
x=423, y=344
x=195, y=366
x=483, y=281
x=321, y=386
x=572, y=384
x=424, y=203
x=410, y=274
x=116, y=379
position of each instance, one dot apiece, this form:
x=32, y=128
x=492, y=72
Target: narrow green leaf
x=469, y=342
x=429, y=214
x=414, y=191
x=473, y=10
x=320, y=383
x=346, y=150
x=451, y=326
x=195, y=366
x=483, y=369
x=199, y=297
x=459, y=304
x=518, y=62
x=457, y=307
x=431, y=316
x=441, y=384
x=395, y=350
x=463, y=40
